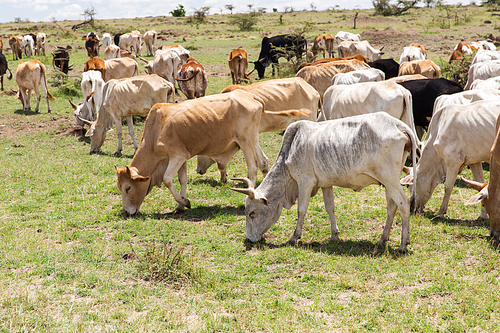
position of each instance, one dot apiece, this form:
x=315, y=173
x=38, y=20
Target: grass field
x=70, y=261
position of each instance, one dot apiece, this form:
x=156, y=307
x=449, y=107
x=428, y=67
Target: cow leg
x=1, y=81
x=38, y=97
x=119, y=131
x=477, y=174
x=174, y=166
x=262, y=160
x=182, y=175
x=396, y=198
x=451, y=176
x=328, y=198
x=303, y=202
x=130, y=124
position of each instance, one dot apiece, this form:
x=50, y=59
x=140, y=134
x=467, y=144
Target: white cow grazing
x=180, y=50
x=483, y=71
x=350, y=48
x=166, y=64
x=41, y=38
x=466, y=97
x=352, y=153
x=411, y=53
x=485, y=55
x=363, y=75
x=121, y=100
x=29, y=46
x=459, y=135
x=343, y=36
x=150, y=41
x=112, y=52
x=491, y=83
x=106, y=40
x=342, y=101
x=92, y=82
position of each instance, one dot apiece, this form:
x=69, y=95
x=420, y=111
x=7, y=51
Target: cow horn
x=472, y=184
x=250, y=72
x=69, y=67
x=147, y=62
x=382, y=48
x=72, y=104
x=128, y=171
x=85, y=121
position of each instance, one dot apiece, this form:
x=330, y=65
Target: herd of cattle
x=349, y=121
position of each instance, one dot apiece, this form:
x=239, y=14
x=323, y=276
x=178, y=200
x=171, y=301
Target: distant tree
x=179, y=11
x=386, y=8
x=230, y=8
x=430, y=3
x=199, y=15
x=246, y=21
x=89, y=13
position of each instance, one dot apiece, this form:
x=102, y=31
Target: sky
x=48, y=10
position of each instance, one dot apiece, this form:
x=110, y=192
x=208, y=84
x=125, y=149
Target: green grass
x=69, y=260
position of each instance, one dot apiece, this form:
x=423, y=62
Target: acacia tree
x=386, y=8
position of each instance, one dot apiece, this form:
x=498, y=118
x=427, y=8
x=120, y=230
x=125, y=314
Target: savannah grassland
x=70, y=262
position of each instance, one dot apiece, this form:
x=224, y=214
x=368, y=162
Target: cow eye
x=128, y=189
x=251, y=215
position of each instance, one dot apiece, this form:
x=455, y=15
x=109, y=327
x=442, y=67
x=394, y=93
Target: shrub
x=457, y=71
x=179, y=11
x=246, y=22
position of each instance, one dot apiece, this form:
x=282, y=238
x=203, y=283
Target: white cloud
x=70, y=12
x=40, y=8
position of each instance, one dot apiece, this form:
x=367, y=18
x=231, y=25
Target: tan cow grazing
x=192, y=79
x=323, y=42
x=41, y=38
x=131, y=41
x=120, y=68
x=238, y=65
x=180, y=50
x=126, y=54
x=426, y=68
x=166, y=64
x=96, y=64
x=489, y=193
x=407, y=78
x=350, y=48
x=359, y=57
x=29, y=76
x=150, y=41
x=121, y=99
x=215, y=126
x=285, y=100
x=15, y=43
x=112, y=52
x=320, y=76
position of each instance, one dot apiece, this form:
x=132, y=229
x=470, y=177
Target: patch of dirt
x=388, y=32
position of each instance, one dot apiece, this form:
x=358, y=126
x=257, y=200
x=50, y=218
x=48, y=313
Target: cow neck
x=104, y=120
x=275, y=184
x=148, y=164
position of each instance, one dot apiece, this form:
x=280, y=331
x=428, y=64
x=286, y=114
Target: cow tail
x=322, y=116
x=10, y=76
x=43, y=79
x=136, y=69
x=408, y=110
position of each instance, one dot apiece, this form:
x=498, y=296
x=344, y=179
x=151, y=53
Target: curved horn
x=250, y=72
x=472, y=184
x=85, y=121
x=245, y=180
x=147, y=62
x=382, y=48
x=248, y=191
x=69, y=67
x=72, y=104
x=187, y=79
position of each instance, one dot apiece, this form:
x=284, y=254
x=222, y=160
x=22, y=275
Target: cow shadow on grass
x=28, y=113
x=348, y=247
x=194, y=215
x=476, y=223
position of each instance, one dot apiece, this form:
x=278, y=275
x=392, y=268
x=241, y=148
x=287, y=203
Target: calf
x=238, y=64
x=351, y=153
x=16, y=45
x=29, y=76
x=41, y=38
x=323, y=42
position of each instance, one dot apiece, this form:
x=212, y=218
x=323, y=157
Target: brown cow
x=359, y=57
x=468, y=48
x=421, y=47
x=323, y=42
x=96, y=64
x=92, y=45
x=238, y=64
x=215, y=126
x=192, y=79
x=489, y=194
x=1, y=45
x=15, y=43
x=29, y=76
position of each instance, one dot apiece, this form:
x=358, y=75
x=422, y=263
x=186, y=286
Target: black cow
x=116, y=39
x=276, y=47
x=424, y=93
x=389, y=66
x=4, y=67
x=60, y=59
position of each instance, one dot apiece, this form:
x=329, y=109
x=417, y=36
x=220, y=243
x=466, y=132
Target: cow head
x=133, y=188
x=260, y=66
x=260, y=213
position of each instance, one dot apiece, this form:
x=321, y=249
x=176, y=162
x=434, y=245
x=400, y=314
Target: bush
x=246, y=22
x=179, y=11
x=457, y=71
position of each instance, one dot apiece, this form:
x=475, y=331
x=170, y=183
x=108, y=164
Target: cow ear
x=90, y=132
x=264, y=201
x=408, y=180
x=478, y=197
x=140, y=178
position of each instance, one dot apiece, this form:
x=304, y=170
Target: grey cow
x=351, y=152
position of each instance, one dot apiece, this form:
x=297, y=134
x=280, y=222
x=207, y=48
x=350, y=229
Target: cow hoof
x=402, y=249
x=335, y=237
x=178, y=210
x=118, y=153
